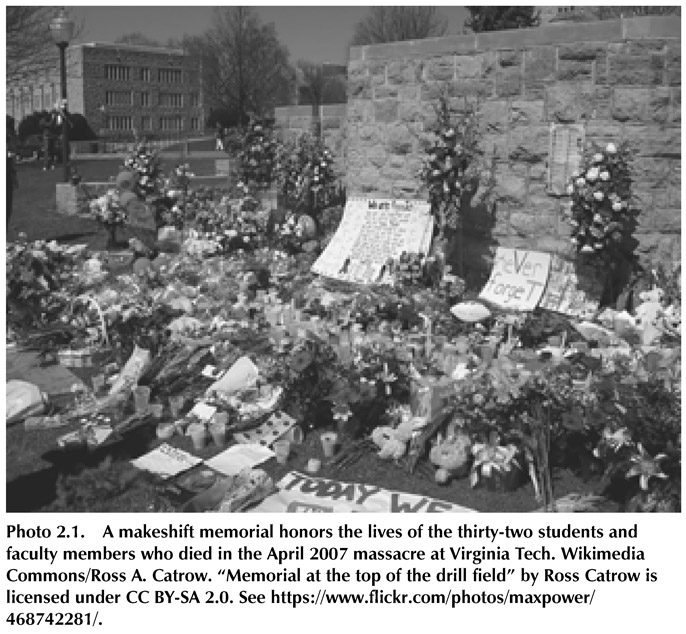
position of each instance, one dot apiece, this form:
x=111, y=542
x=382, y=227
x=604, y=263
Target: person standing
x=48, y=149
x=220, y=138
x=12, y=182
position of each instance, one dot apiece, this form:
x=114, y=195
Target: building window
x=117, y=72
x=145, y=74
x=171, y=123
x=145, y=99
x=195, y=123
x=195, y=99
x=146, y=123
x=171, y=100
x=119, y=122
x=169, y=75
x=119, y=98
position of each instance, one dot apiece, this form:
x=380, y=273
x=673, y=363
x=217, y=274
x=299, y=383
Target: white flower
x=598, y=195
x=598, y=158
x=570, y=189
x=617, y=206
x=580, y=182
x=592, y=174
x=604, y=176
x=611, y=148
x=575, y=174
x=587, y=249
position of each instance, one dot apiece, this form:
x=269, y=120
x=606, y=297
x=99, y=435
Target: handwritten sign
x=372, y=231
x=140, y=215
x=573, y=288
x=302, y=493
x=166, y=461
x=517, y=280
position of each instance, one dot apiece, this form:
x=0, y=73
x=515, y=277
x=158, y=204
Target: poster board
x=301, y=493
x=371, y=231
x=566, y=146
x=573, y=288
x=517, y=280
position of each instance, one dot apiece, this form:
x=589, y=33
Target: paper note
x=238, y=458
x=166, y=461
x=276, y=426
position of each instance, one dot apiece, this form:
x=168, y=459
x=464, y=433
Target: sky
x=314, y=33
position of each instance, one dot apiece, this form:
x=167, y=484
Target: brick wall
x=617, y=80
x=292, y=121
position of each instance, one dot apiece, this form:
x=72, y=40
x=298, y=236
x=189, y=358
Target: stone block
x=400, y=141
x=360, y=88
x=360, y=111
x=66, y=199
x=524, y=113
x=477, y=89
x=377, y=156
x=386, y=111
x=676, y=105
x=561, y=104
x=470, y=66
x=408, y=93
x=494, y=145
x=377, y=73
x=653, y=141
x=539, y=68
x=509, y=82
x=529, y=144
x=432, y=91
x=522, y=223
x=414, y=111
x=403, y=72
x=630, y=104
x=573, y=70
x=357, y=69
x=602, y=132
x=510, y=187
x=633, y=70
x=658, y=107
x=440, y=68
x=510, y=58
x=495, y=115
x=386, y=92
x=581, y=51
x=666, y=220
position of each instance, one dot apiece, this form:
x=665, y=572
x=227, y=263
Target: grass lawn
x=34, y=209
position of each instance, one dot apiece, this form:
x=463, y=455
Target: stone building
x=120, y=88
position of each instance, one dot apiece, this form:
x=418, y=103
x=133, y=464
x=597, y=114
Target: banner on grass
x=372, y=231
x=300, y=493
x=517, y=280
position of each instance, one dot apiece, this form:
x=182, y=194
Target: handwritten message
x=300, y=493
x=372, y=231
x=573, y=288
x=517, y=280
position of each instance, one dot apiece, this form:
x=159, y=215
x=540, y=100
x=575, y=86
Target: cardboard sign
x=303, y=493
x=372, y=231
x=517, y=280
x=573, y=288
x=166, y=461
x=140, y=215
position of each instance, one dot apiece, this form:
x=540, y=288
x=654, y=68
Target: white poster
x=371, y=231
x=300, y=493
x=517, y=280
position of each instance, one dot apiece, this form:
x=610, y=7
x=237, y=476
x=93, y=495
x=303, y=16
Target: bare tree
x=29, y=47
x=613, y=12
x=393, y=24
x=244, y=66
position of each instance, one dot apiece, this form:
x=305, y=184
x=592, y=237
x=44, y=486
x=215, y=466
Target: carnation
x=598, y=195
x=580, y=182
x=592, y=174
x=617, y=206
x=604, y=176
x=611, y=148
x=598, y=158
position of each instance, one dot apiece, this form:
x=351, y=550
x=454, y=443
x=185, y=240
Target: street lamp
x=62, y=31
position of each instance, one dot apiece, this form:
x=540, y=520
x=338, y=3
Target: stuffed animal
x=452, y=457
x=392, y=441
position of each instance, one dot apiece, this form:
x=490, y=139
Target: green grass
x=34, y=209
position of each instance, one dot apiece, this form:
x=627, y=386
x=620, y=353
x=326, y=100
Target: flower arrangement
x=257, y=157
x=145, y=164
x=108, y=209
x=450, y=164
x=41, y=278
x=602, y=216
x=306, y=176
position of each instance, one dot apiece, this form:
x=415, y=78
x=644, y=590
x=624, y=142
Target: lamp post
x=62, y=31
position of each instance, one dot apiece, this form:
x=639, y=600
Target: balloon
x=126, y=180
x=307, y=227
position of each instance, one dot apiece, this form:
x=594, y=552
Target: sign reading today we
x=517, y=280
x=300, y=493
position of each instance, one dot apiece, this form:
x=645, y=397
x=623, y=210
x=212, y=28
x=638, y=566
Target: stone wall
x=292, y=121
x=615, y=80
